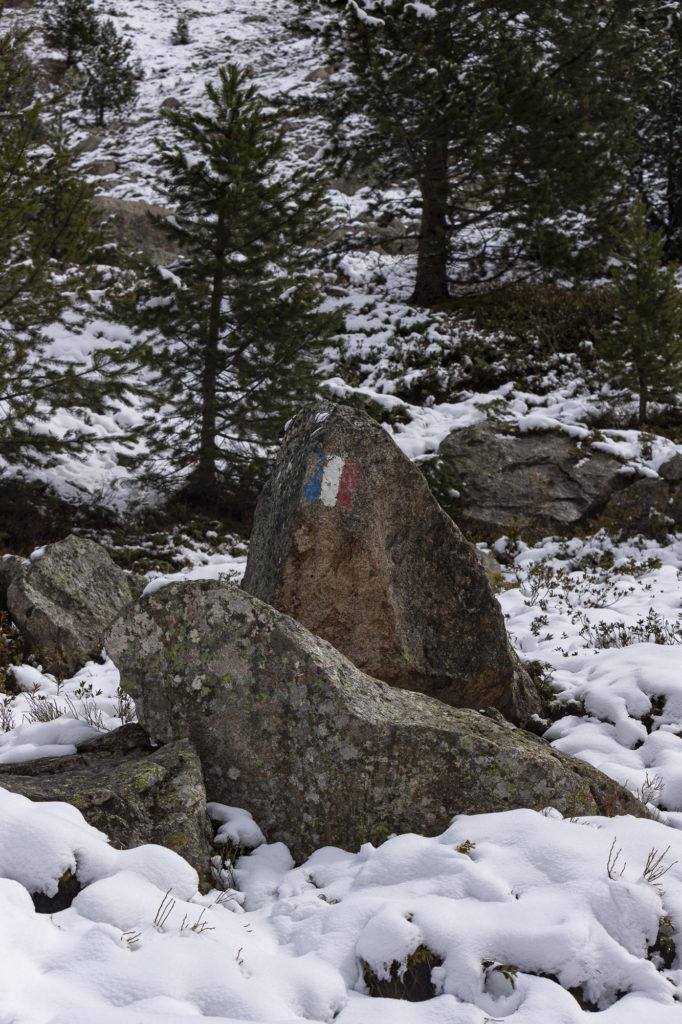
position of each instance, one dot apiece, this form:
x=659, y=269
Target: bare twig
x=613, y=860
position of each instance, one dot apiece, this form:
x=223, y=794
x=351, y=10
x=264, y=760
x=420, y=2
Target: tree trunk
x=431, y=285
x=205, y=476
x=643, y=399
x=674, y=203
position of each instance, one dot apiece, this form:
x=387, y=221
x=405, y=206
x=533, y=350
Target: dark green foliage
x=236, y=319
x=643, y=344
x=410, y=981
x=664, y=949
x=111, y=76
x=180, y=34
x=657, y=172
x=506, y=115
x=561, y=318
x=71, y=26
x=46, y=232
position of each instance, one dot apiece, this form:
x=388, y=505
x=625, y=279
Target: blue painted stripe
x=312, y=484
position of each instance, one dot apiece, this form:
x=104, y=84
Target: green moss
x=380, y=832
x=177, y=841
x=410, y=981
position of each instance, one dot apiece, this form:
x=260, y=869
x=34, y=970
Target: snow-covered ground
x=518, y=908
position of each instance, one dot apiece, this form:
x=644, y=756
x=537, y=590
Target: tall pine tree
x=236, y=319
x=516, y=115
x=643, y=345
x=71, y=26
x=111, y=76
x=47, y=234
x=657, y=169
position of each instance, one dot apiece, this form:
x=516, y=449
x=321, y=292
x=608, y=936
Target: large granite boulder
x=539, y=482
x=133, y=792
x=319, y=752
x=132, y=227
x=348, y=540
x=63, y=601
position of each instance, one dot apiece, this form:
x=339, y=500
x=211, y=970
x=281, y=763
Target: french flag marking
x=348, y=483
x=331, y=480
x=313, y=480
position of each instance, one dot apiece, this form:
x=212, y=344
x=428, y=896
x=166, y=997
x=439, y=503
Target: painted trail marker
x=331, y=479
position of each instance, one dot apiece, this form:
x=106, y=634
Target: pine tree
x=657, y=171
x=111, y=76
x=643, y=345
x=180, y=34
x=46, y=232
x=71, y=26
x=236, y=321
x=509, y=115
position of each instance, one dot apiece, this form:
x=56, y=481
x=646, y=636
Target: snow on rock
x=236, y=825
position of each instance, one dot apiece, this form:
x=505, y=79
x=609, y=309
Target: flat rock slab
x=649, y=506
x=63, y=601
x=133, y=792
x=348, y=540
x=539, y=482
x=319, y=752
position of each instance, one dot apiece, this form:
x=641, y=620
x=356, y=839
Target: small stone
x=89, y=144
x=100, y=168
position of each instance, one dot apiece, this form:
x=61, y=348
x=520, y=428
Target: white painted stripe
x=331, y=478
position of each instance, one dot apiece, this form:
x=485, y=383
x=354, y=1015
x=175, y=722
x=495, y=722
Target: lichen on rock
x=319, y=752
x=349, y=541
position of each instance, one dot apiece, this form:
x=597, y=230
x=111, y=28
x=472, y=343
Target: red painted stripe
x=348, y=484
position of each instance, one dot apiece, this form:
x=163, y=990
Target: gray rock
x=648, y=505
x=127, y=789
x=100, y=168
x=672, y=469
x=64, y=600
x=319, y=752
x=89, y=144
x=11, y=567
x=132, y=227
x=538, y=482
x=321, y=74
x=379, y=570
